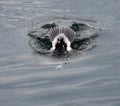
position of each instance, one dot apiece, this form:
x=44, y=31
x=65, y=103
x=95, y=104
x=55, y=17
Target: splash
x=40, y=42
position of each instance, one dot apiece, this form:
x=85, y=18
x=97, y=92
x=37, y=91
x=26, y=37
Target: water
x=89, y=79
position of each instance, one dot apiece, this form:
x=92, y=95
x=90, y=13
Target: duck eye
x=58, y=39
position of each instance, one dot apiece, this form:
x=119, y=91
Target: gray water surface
x=89, y=79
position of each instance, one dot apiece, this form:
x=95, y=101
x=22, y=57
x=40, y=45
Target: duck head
x=61, y=39
x=61, y=43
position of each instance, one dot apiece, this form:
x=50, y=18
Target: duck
x=61, y=39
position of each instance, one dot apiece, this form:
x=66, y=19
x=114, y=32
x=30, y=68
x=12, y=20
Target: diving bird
x=61, y=38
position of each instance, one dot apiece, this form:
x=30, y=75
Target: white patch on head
x=55, y=40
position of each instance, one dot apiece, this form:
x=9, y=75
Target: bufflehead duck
x=61, y=38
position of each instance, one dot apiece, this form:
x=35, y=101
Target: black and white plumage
x=61, y=38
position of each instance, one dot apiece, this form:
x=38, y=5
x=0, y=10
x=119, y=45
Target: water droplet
x=59, y=67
